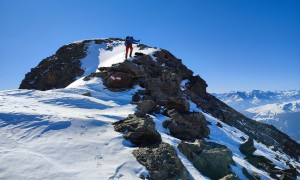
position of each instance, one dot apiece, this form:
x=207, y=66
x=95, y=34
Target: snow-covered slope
x=280, y=108
x=269, y=111
x=284, y=116
x=62, y=134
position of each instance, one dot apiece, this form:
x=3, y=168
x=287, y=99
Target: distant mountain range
x=279, y=108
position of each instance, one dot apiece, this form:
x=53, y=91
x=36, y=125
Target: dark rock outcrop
x=126, y=67
x=146, y=106
x=58, y=70
x=211, y=159
x=162, y=79
x=118, y=81
x=196, y=87
x=120, y=76
x=187, y=126
x=248, y=147
x=162, y=86
x=62, y=68
x=139, y=130
x=219, y=125
x=162, y=162
x=169, y=60
x=87, y=94
x=180, y=104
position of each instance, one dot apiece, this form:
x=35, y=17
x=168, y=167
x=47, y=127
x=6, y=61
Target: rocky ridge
x=162, y=76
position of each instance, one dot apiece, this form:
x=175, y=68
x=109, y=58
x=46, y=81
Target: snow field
x=56, y=134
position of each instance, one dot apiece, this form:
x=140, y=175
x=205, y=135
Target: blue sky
x=232, y=44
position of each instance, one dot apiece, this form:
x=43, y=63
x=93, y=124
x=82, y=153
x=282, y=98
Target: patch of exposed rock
x=187, y=126
x=162, y=162
x=247, y=148
x=211, y=159
x=145, y=106
x=180, y=104
x=58, y=70
x=120, y=76
x=139, y=130
x=87, y=94
x=262, y=162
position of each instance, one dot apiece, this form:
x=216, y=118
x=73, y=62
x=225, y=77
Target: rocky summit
x=176, y=128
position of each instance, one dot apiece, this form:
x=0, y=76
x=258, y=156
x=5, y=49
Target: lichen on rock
x=162, y=162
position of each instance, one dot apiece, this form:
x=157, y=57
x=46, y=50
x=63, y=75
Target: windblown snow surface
x=61, y=134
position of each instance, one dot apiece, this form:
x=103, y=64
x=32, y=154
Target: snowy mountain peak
x=278, y=108
x=76, y=60
x=102, y=117
x=242, y=100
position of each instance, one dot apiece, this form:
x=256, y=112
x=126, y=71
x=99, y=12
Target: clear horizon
x=233, y=45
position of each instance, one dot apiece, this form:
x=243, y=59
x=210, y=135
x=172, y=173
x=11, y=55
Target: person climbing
x=128, y=43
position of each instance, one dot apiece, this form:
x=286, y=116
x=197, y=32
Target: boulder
x=219, y=125
x=87, y=94
x=118, y=81
x=138, y=54
x=162, y=162
x=191, y=151
x=211, y=159
x=163, y=86
x=128, y=68
x=248, y=147
x=139, y=130
x=180, y=104
x=146, y=106
x=187, y=126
